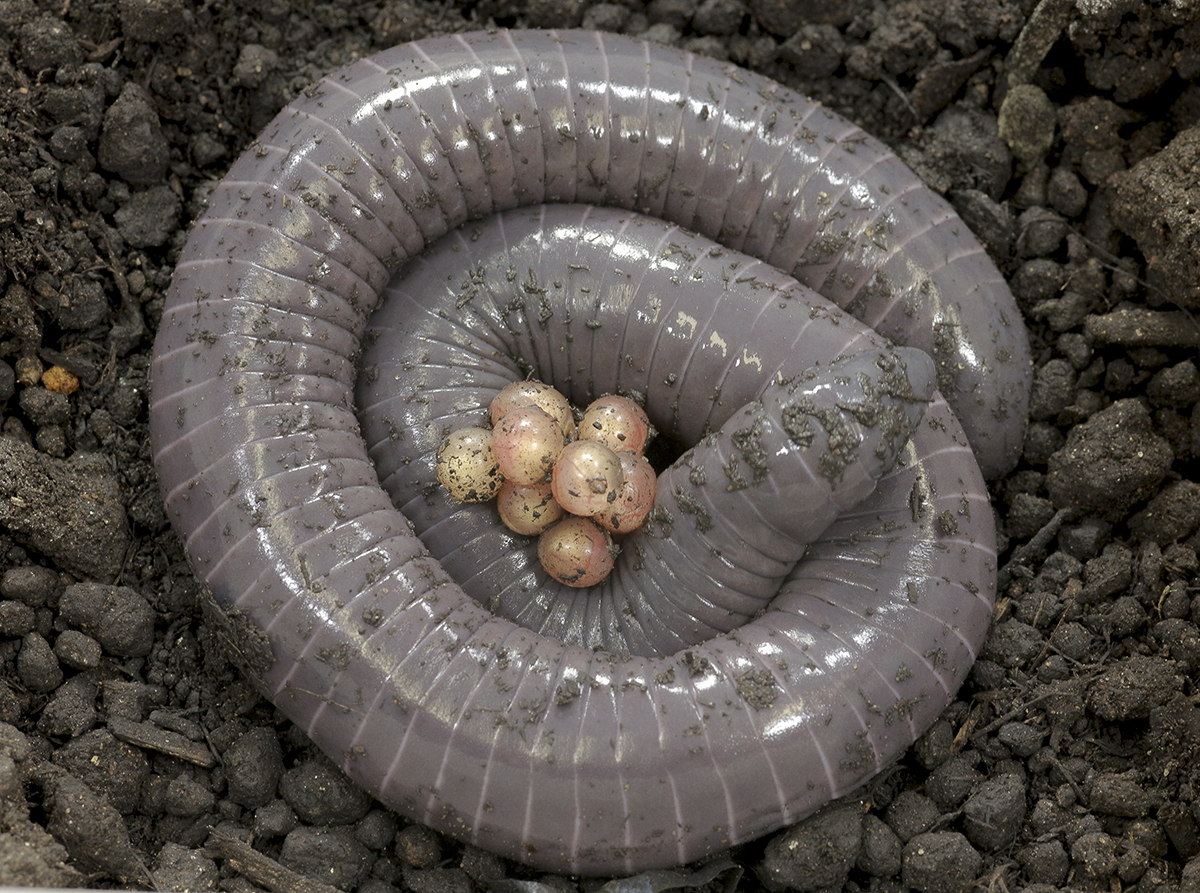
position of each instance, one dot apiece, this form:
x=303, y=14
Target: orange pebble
x=58, y=379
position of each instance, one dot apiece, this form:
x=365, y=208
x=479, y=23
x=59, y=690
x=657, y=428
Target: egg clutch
x=572, y=485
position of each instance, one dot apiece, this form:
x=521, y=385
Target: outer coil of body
x=554, y=754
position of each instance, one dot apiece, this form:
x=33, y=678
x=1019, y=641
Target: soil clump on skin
x=1067, y=135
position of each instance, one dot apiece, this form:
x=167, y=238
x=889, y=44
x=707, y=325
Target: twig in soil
x=1037, y=543
x=1040, y=33
x=1012, y=714
x=151, y=737
x=261, y=869
x=995, y=880
x=890, y=82
x=1065, y=774
x=1134, y=327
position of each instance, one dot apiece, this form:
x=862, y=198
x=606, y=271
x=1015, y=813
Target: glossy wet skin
x=697, y=329
x=456, y=716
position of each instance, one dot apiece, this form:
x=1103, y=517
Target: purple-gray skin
x=697, y=328
x=560, y=755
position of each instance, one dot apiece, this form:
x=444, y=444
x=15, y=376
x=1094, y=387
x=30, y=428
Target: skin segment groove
x=412, y=661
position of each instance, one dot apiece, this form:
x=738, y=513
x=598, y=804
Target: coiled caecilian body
x=579, y=751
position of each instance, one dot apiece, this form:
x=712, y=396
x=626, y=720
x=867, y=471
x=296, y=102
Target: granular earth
x=1067, y=134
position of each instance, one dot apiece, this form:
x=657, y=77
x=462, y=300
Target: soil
x=1062, y=130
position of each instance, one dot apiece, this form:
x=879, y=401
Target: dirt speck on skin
x=1070, y=756
x=758, y=688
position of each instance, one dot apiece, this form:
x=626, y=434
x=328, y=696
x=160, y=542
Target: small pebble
x=321, y=794
x=275, y=819
x=1053, y=389
x=47, y=43
x=1093, y=856
x=1172, y=514
x=1027, y=122
x=127, y=699
x=329, y=855
x=1072, y=640
x=1176, y=386
x=1027, y=514
x=180, y=868
x=1180, y=640
x=817, y=853
x=119, y=619
x=482, y=866
x=1132, y=862
x=187, y=798
x=71, y=710
x=911, y=814
x=1149, y=834
x=1118, y=793
x=132, y=144
x=1181, y=559
x=253, y=767
x=1066, y=193
x=12, y=786
x=16, y=619
x=1012, y=643
x=539, y=14
x=940, y=861
x=15, y=743
x=816, y=50
x=418, y=846
x=1110, y=462
x=936, y=746
x=719, y=17
x=377, y=885
x=994, y=813
x=8, y=381
x=1022, y=739
x=59, y=380
x=93, y=832
x=880, y=854
x=1085, y=539
x=677, y=13
x=1108, y=574
x=37, y=667
x=113, y=769
x=255, y=62
x=375, y=829
x=1040, y=232
x=152, y=21
x=77, y=650
x=1156, y=206
x=963, y=150
x=990, y=220
x=606, y=17
x=1038, y=280
x=1044, y=862
x=1131, y=688
x=952, y=782
x=149, y=217
x=437, y=880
